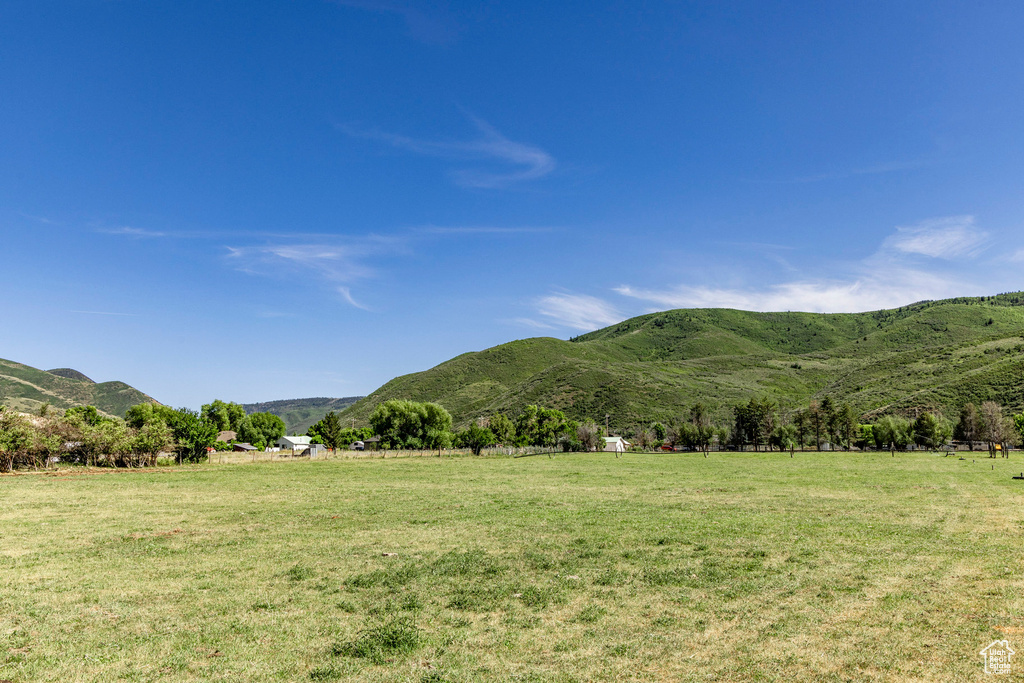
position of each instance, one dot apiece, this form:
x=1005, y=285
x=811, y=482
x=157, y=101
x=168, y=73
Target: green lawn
x=674, y=567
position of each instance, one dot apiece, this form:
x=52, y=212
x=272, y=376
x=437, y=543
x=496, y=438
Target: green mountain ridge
x=299, y=414
x=932, y=354
x=70, y=373
x=25, y=388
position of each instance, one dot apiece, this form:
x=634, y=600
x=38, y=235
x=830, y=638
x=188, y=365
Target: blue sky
x=253, y=201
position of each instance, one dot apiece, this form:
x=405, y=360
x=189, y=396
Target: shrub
x=397, y=636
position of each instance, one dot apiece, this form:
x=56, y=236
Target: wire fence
x=238, y=457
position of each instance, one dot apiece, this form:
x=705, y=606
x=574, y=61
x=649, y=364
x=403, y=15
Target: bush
x=15, y=440
x=397, y=636
x=475, y=438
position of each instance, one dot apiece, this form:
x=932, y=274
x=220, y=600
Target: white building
x=296, y=443
x=615, y=444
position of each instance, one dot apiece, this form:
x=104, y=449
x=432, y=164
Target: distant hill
x=931, y=354
x=299, y=414
x=70, y=374
x=25, y=388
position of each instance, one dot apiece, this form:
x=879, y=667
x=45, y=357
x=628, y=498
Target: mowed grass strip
x=737, y=567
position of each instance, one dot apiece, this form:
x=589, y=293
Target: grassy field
x=738, y=567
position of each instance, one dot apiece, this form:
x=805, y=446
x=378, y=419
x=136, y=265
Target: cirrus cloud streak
x=948, y=238
x=578, y=311
x=902, y=271
x=521, y=161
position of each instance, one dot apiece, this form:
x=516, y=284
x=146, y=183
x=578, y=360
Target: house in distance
x=615, y=444
x=294, y=443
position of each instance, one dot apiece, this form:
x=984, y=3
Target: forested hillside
x=932, y=354
x=300, y=413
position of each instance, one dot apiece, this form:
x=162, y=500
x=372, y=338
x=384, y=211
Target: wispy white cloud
x=479, y=230
x=530, y=322
x=864, y=293
x=38, y=219
x=132, y=232
x=335, y=262
x=952, y=237
x=346, y=293
x=428, y=27
x=759, y=246
x=874, y=169
x=884, y=280
x=343, y=262
x=528, y=162
x=579, y=311
x=889, y=167
x=338, y=263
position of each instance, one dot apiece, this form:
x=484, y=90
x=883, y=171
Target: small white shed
x=615, y=444
x=316, y=450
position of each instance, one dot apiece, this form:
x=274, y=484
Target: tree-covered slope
x=934, y=354
x=299, y=414
x=25, y=388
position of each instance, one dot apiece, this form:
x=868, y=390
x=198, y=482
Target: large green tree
x=845, y=426
x=437, y=427
x=475, y=438
x=551, y=424
x=891, y=432
x=970, y=426
x=783, y=437
x=408, y=424
x=150, y=440
x=702, y=431
x=15, y=439
x=192, y=433
x=755, y=421
x=140, y=414
x=502, y=428
x=87, y=414
x=328, y=431
x=526, y=426
x=537, y=426
x=931, y=430
x=801, y=423
x=1018, y=425
x=815, y=422
x=261, y=429
x=224, y=416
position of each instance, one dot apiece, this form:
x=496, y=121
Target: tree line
x=84, y=435
x=758, y=424
x=761, y=424
x=402, y=424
